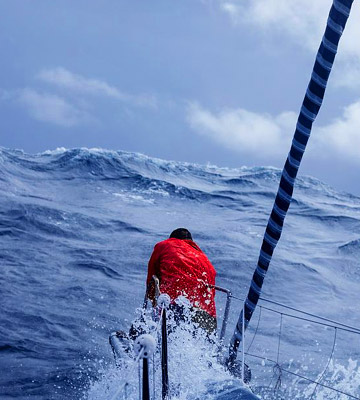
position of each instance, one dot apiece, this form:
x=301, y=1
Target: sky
x=203, y=81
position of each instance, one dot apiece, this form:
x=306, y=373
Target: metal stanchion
x=164, y=302
x=144, y=348
x=243, y=346
x=145, y=385
x=164, y=358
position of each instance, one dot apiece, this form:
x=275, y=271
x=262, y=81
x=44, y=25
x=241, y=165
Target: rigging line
x=154, y=334
x=351, y=330
x=277, y=367
x=139, y=371
x=126, y=384
x=325, y=57
x=257, y=327
x=310, y=314
x=137, y=361
x=304, y=377
x=327, y=365
x=278, y=350
x=314, y=322
x=158, y=325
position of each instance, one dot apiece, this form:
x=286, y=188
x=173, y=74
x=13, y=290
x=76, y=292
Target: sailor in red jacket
x=184, y=270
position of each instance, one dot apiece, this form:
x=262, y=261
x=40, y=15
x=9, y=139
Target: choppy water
x=77, y=228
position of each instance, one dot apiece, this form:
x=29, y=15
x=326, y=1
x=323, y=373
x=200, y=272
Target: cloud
x=244, y=131
x=349, y=73
x=302, y=22
x=51, y=108
x=263, y=136
x=70, y=97
x=342, y=135
x=63, y=78
x=232, y=10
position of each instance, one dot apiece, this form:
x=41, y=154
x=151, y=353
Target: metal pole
x=338, y=15
x=226, y=312
x=154, y=377
x=164, y=358
x=146, y=385
x=243, y=346
x=139, y=376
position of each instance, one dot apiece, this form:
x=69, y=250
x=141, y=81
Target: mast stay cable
x=278, y=369
x=338, y=16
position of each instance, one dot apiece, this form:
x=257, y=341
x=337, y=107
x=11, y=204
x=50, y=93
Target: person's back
x=184, y=270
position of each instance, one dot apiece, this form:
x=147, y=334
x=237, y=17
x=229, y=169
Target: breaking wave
x=77, y=228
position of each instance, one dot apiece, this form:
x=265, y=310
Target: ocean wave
x=77, y=227
x=351, y=247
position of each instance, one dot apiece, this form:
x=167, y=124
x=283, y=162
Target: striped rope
x=338, y=16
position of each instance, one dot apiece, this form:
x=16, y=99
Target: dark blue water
x=77, y=228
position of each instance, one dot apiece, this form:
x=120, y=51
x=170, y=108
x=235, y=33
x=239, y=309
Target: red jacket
x=183, y=269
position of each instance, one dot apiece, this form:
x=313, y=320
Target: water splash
x=67, y=237
x=194, y=368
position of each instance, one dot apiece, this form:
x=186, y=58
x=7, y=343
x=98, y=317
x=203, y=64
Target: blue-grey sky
x=218, y=81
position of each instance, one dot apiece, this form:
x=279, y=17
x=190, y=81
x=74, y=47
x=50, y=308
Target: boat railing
x=284, y=312
x=155, y=283
x=279, y=367
x=225, y=318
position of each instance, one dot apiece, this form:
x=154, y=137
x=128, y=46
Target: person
x=184, y=270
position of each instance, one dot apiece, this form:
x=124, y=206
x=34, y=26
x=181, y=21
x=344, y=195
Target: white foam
x=194, y=369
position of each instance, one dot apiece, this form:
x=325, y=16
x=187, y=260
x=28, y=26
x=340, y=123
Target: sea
x=77, y=228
